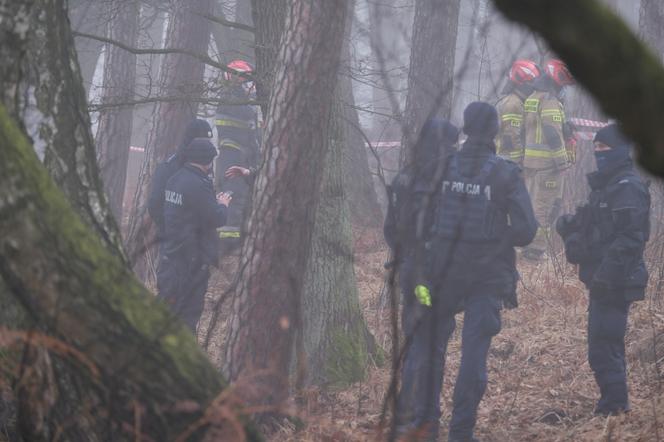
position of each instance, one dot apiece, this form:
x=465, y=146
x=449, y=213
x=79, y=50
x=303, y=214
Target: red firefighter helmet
x=558, y=72
x=524, y=71
x=240, y=66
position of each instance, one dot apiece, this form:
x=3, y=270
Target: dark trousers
x=430, y=328
x=183, y=286
x=607, y=325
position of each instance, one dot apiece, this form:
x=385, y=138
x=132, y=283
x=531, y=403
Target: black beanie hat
x=480, y=120
x=613, y=137
x=195, y=129
x=199, y=151
x=435, y=133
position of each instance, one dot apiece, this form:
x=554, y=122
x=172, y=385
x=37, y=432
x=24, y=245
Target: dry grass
x=540, y=385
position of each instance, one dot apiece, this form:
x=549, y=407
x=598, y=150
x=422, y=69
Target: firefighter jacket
x=509, y=141
x=544, y=120
x=607, y=236
x=483, y=211
x=237, y=125
x=191, y=217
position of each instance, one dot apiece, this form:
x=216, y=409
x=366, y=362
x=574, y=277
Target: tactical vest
x=600, y=230
x=466, y=210
x=541, y=110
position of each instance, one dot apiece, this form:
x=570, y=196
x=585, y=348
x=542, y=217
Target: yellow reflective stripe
x=232, y=123
x=531, y=105
x=509, y=117
x=229, y=235
x=540, y=153
x=229, y=143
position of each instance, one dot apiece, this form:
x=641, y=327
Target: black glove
x=599, y=288
x=565, y=225
x=575, y=249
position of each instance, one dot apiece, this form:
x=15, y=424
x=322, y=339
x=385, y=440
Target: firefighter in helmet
x=549, y=150
x=239, y=138
x=509, y=142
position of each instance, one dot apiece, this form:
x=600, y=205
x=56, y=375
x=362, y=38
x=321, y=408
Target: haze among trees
x=300, y=336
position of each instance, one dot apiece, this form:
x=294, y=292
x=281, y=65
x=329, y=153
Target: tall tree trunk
x=335, y=342
x=136, y=370
x=179, y=75
x=389, y=45
x=431, y=75
x=115, y=124
x=234, y=43
x=359, y=188
x=651, y=19
x=41, y=86
x=85, y=17
x=267, y=307
x=269, y=20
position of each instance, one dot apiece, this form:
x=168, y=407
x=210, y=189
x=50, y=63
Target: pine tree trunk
x=40, y=83
x=234, y=44
x=269, y=20
x=115, y=124
x=266, y=311
x=431, y=74
x=335, y=342
x=179, y=75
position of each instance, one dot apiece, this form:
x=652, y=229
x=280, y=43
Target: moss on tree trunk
x=125, y=351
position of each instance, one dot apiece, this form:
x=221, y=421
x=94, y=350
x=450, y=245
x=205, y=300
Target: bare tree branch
x=202, y=57
x=230, y=24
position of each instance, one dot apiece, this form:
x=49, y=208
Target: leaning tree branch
x=202, y=57
x=605, y=56
x=228, y=23
x=96, y=107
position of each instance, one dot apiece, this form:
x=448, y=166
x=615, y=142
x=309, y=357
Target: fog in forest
x=331, y=220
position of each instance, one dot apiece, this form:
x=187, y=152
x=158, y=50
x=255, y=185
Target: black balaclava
x=436, y=133
x=613, y=137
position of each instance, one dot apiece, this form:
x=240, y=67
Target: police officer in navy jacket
x=607, y=237
x=482, y=211
x=192, y=214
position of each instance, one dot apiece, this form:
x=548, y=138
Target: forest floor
x=540, y=385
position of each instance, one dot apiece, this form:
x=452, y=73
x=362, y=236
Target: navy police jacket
x=612, y=232
x=162, y=173
x=483, y=212
x=191, y=217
